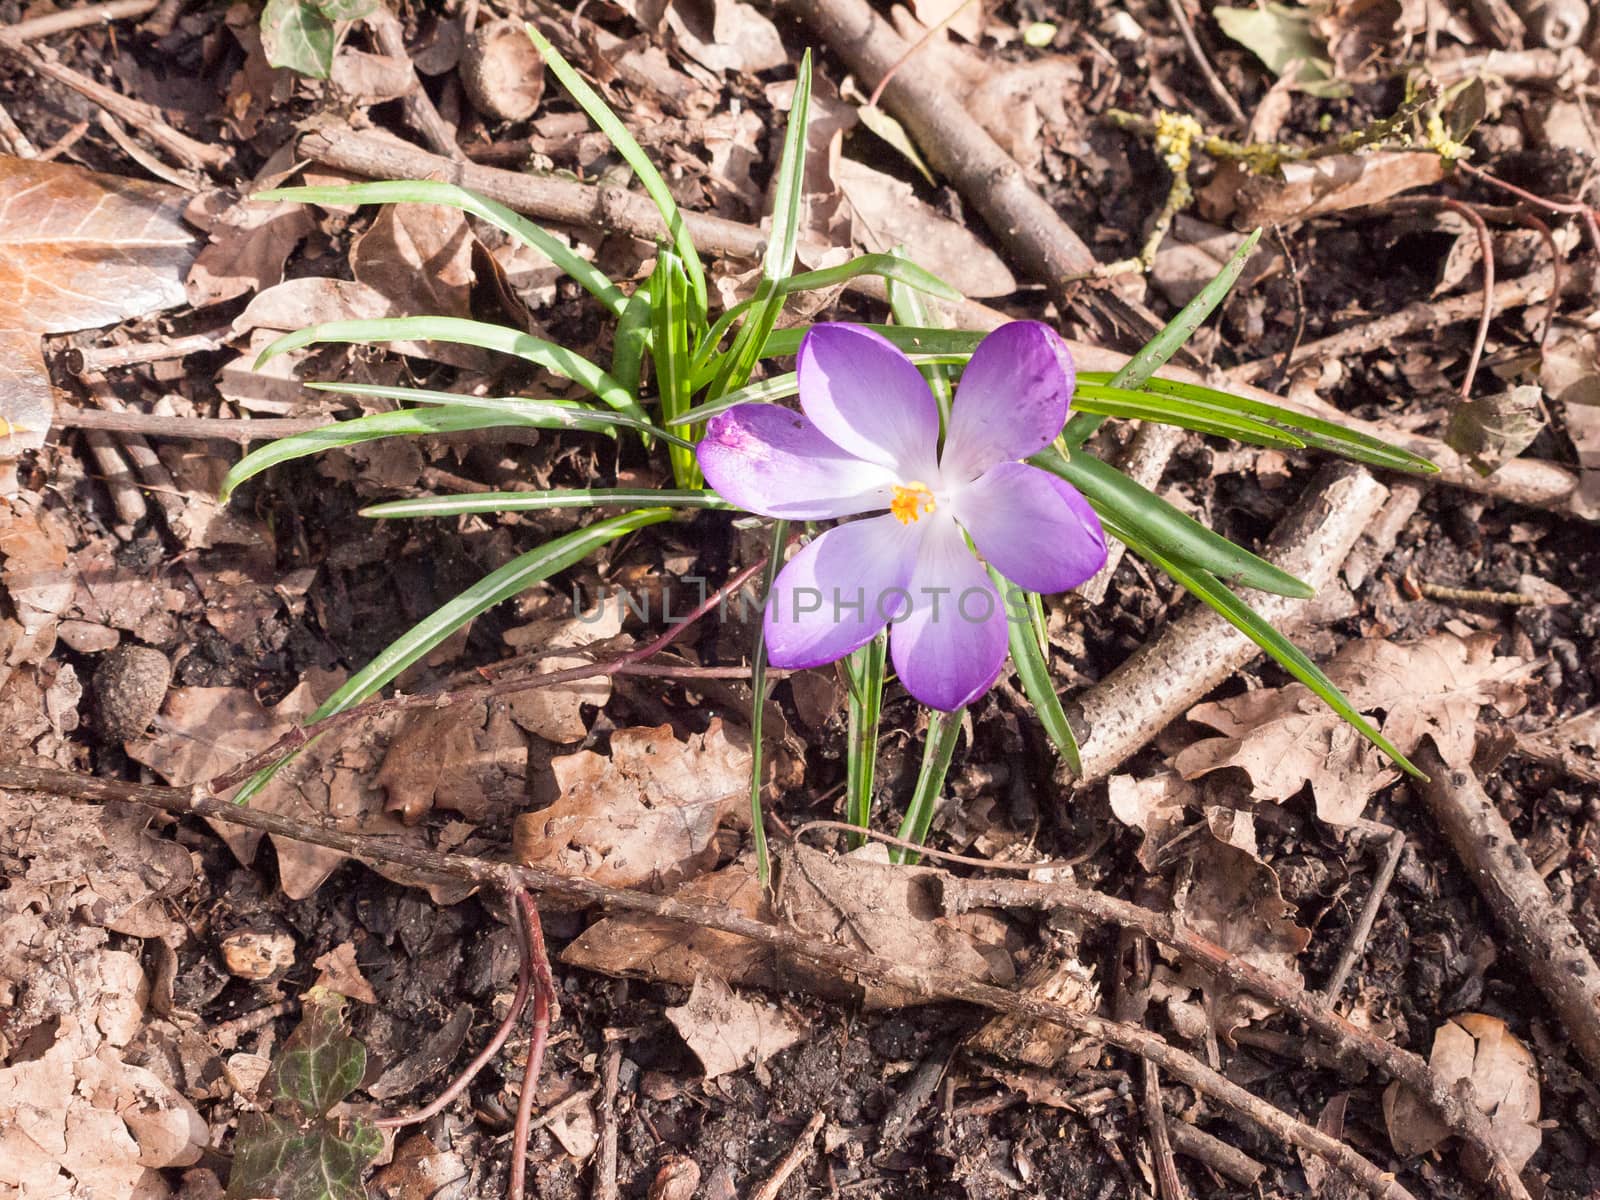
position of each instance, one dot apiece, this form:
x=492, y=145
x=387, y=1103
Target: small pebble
x=257, y=954
x=129, y=685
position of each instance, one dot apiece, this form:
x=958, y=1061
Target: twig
x=791, y=1160
x=1457, y=595
x=1584, y=212
x=628, y=664
x=114, y=471
x=419, y=107
x=544, y=993
x=151, y=470
x=1199, y=650
x=12, y=140
x=80, y=359
x=960, y=895
x=77, y=18
x=933, y=983
x=1218, y=89
x=1556, y=260
x=136, y=112
x=605, y=1161
x=960, y=150
x=1394, y=843
x=1281, y=371
x=1222, y=1158
x=231, y=429
x=1152, y=448
x=1558, y=756
x=1540, y=933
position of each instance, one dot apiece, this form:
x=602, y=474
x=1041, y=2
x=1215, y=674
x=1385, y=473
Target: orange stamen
x=910, y=501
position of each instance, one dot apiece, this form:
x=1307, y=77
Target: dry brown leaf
x=80, y=250
x=1153, y=804
x=888, y=214
x=1284, y=738
x=250, y=242
x=1195, y=251
x=1017, y=103
x=1505, y=1087
x=419, y=257
x=1309, y=189
x=556, y=713
x=339, y=972
x=634, y=944
x=727, y=35
x=646, y=815
x=367, y=78
x=727, y=1031
x=866, y=902
x=1236, y=902
x=966, y=18
x=463, y=758
x=37, y=577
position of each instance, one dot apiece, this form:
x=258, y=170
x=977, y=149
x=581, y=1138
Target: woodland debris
x=501, y=71
x=1542, y=935
x=1285, y=738
x=1199, y=650
x=257, y=954
x=728, y=1031
x=130, y=685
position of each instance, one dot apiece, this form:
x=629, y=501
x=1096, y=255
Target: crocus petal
x=1011, y=402
x=774, y=461
x=869, y=400
x=1036, y=530
x=949, y=647
x=839, y=591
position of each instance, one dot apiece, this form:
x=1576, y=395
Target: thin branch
x=850, y=962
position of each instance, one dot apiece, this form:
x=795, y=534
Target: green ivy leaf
x=346, y=10
x=275, y=1156
x=298, y=35
x=320, y=1064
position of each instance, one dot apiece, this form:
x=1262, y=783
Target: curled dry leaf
x=502, y=72
x=251, y=240
x=1154, y=805
x=556, y=713
x=646, y=815
x=1492, y=429
x=1505, y=1087
x=37, y=576
x=1310, y=189
x=1235, y=901
x=727, y=1031
x=1285, y=738
x=466, y=757
x=418, y=256
x=78, y=250
x=727, y=35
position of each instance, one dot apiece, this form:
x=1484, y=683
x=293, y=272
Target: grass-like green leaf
x=669, y=350
x=789, y=183
x=785, y=343
x=1315, y=432
x=1104, y=400
x=865, y=669
x=516, y=576
x=910, y=307
x=1224, y=601
x=633, y=154
x=550, y=413
x=944, y=729
x=568, y=364
x=1155, y=353
x=890, y=266
x=493, y=502
x=414, y=422
x=630, y=341
x=758, y=705
x=1033, y=670
x=431, y=191
x=1175, y=534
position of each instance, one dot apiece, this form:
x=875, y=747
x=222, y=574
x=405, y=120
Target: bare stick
x=1540, y=933
x=125, y=495
x=544, y=992
x=1222, y=1158
x=232, y=429
x=851, y=962
x=77, y=18
x=1394, y=844
x=136, y=112
x=959, y=895
x=1167, y=675
x=127, y=354
x=605, y=1161
x=419, y=107
x=791, y=1160
x=1196, y=52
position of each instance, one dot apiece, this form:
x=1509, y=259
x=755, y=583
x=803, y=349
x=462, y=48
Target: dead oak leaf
x=1284, y=738
x=1235, y=901
x=1505, y=1087
x=79, y=250
x=646, y=815
x=727, y=1031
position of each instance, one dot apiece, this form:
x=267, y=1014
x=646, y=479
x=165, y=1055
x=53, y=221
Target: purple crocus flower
x=868, y=442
